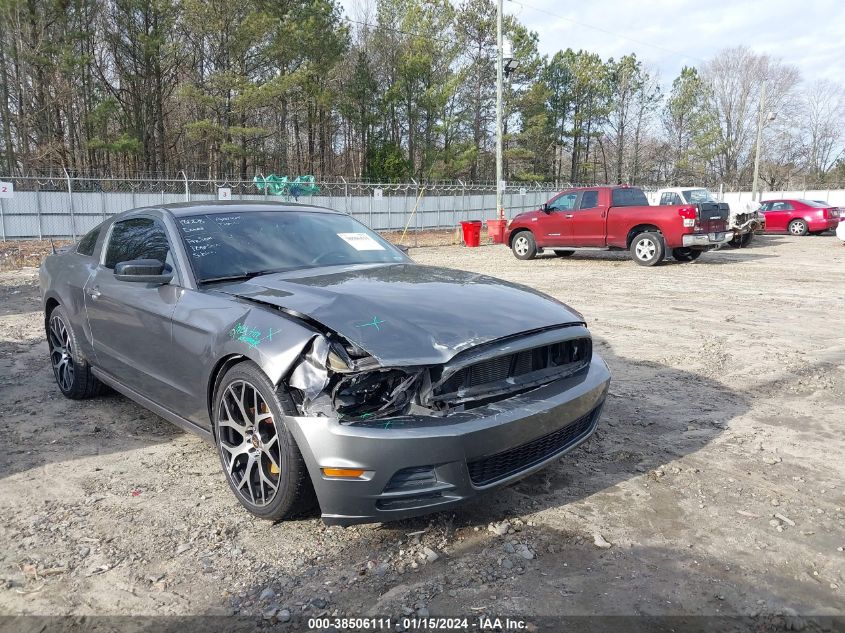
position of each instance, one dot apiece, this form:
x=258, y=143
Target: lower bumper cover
x=828, y=224
x=511, y=439
x=707, y=239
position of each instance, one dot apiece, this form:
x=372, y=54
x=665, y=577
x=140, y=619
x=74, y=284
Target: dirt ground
x=716, y=476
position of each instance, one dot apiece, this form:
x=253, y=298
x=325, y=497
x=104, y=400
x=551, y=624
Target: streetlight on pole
x=755, y=194
x=505, y=64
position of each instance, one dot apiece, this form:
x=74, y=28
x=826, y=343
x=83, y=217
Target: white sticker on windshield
x=361, y=241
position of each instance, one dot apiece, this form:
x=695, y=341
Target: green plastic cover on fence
x=283, y=186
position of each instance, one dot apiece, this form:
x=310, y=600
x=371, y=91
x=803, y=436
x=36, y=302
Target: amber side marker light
x=347, y=473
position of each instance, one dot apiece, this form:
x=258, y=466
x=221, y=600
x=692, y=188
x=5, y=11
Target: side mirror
x=545, y=208
x=150, y=271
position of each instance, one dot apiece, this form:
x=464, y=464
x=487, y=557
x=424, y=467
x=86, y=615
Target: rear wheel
x=564, y=253
x=685, y=254
x=524, y=246
x=260, y=459
x=647, y=249
x=72, y=372
x=798, y=227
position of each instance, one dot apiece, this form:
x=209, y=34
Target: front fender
x=272, y=339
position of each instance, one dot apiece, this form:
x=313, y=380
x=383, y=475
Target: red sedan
x=799, y=217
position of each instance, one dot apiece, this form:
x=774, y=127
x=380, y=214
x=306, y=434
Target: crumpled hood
x=407, y=314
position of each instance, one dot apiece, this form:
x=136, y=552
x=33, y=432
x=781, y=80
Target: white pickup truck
x=744, y=223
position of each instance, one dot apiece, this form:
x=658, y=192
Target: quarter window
x=137, y=238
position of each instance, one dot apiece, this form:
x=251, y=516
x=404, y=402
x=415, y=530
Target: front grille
x=488, y=470
x=497, y=374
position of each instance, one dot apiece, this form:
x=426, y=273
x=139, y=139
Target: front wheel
x=685, y=254
x=738, y=241
x=260, y=459
x=647, y=249
x=798, y=228
x=524, y=246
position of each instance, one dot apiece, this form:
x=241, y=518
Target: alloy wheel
x=797, y=228
x=249, y=443
x=520, y=245
x=646, y=249
x=61, y=353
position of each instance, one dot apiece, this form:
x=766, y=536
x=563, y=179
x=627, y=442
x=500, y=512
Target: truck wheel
x=647, y=249
x=524, y=246
x=685, y=254
x=563, y=253
x=798, y=227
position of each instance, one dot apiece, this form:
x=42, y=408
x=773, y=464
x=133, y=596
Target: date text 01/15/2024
x=417, y=623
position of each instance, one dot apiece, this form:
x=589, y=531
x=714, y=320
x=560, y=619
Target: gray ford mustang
x=319, y=358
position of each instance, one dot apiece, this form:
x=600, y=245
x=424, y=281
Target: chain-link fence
x=67, y=207
x=419, y=213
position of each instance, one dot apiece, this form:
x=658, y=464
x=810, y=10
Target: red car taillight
x=690, y=216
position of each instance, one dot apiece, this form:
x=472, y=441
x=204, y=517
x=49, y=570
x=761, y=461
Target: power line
x=607, y=32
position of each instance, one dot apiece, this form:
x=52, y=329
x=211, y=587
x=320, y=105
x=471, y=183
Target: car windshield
x=243, y=244
x=695, y=196
x=817, y=204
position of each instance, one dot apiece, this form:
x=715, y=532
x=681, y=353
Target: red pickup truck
x=619, y=218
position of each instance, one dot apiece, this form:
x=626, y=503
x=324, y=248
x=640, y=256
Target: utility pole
x=499, y=81
x=755, y=194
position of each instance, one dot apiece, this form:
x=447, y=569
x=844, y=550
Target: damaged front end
x=336, y=378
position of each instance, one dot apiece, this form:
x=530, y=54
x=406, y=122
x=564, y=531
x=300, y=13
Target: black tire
x=260, y=444
x=798, y=228
x=738, y=241
x=70, y=369
x=685, y=254
x=523, y=245
x=564, y=253
x=648, y=249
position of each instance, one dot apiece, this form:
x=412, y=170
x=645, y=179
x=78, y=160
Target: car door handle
x=94, y=293
x=569, y=215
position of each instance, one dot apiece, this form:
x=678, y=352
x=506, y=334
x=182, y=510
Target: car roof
x=235, y=206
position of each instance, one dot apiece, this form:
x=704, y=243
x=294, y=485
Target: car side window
x=766, y=206
x=137, y=238
x=564, y=203
x=88, y=242
x=665, y=199
x=589, y=200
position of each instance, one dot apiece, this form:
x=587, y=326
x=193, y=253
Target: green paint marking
x=252, y=336
x=374, y=323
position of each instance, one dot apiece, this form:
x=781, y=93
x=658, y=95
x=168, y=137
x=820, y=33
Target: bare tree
x=822, y=120
x=735, y=78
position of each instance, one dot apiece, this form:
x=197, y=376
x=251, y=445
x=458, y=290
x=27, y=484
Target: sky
x=669, y=34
